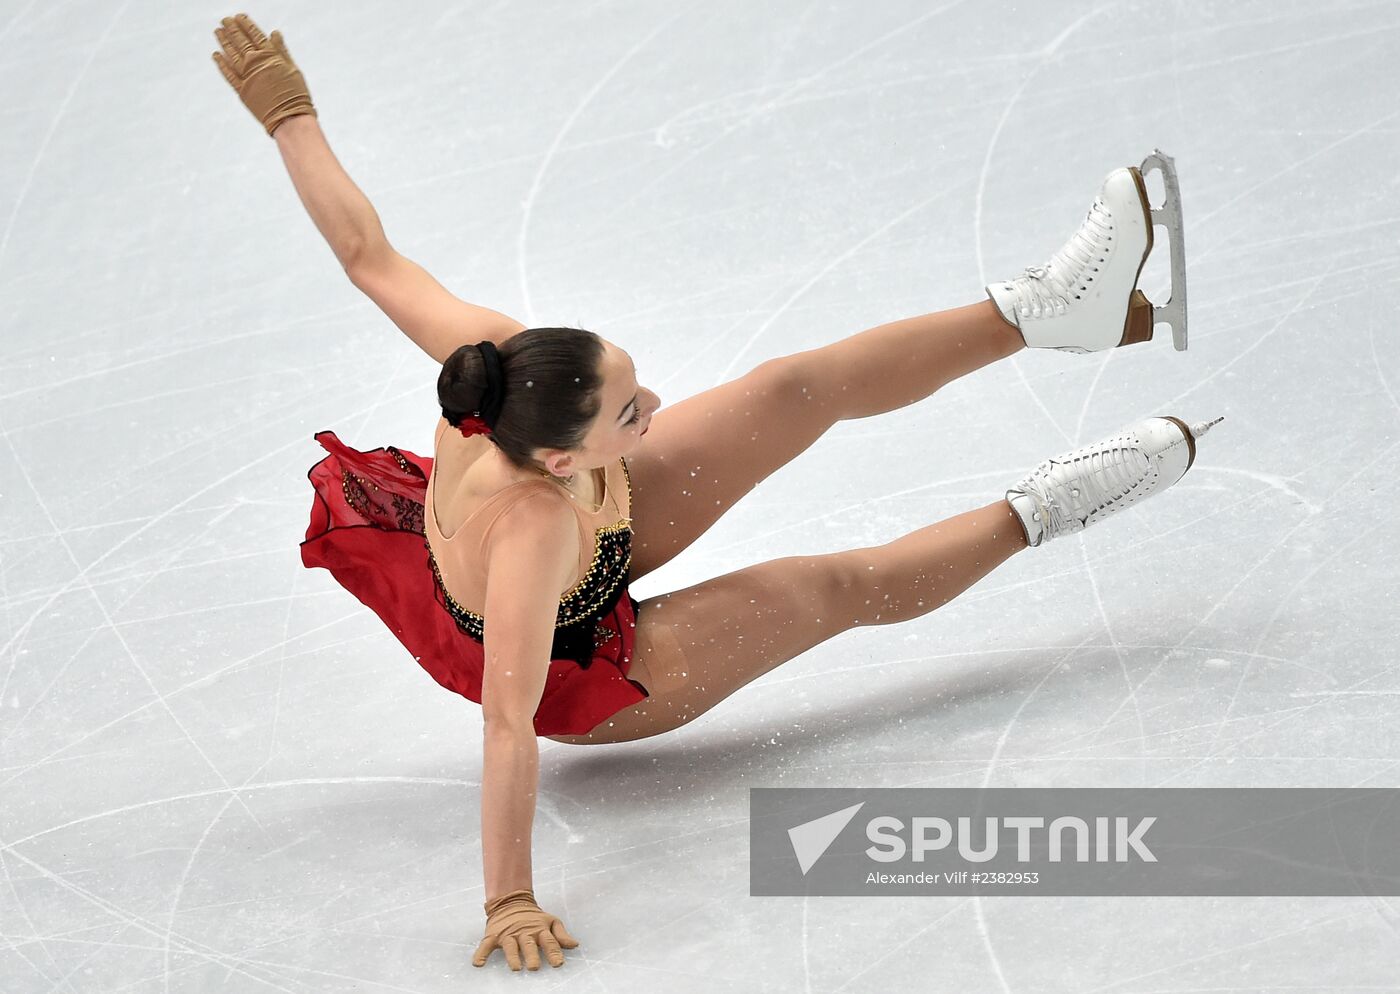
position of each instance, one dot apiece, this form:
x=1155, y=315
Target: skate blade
x=1173, y=311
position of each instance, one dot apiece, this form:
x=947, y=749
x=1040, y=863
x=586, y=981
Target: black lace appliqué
x=401, y=513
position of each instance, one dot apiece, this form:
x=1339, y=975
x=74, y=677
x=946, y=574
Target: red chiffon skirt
x=367, y=530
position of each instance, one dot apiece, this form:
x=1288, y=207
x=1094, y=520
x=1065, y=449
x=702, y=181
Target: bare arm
x=342, y=214
x=510, y=776
x=533, y=551
x=433, y=318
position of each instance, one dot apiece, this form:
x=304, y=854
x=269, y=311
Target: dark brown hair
x=553, y=389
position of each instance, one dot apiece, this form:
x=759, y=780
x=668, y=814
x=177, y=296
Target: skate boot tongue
x=1061, y=495
x=1048, y=289
x=1069, y=492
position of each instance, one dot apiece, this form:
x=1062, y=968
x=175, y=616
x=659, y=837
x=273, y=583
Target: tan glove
x=262, y=72
x=514, y=922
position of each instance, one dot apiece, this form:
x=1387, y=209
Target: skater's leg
x=702, y=454
x=893, y=365
x=697, y=646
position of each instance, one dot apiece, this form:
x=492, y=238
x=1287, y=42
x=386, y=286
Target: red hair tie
x=473, y=425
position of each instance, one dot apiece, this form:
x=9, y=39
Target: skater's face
x=626, y=412
x=627, y=407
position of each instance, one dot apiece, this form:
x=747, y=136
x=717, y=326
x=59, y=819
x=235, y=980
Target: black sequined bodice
x=577, y=631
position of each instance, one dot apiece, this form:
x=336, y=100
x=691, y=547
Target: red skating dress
x=371, y=524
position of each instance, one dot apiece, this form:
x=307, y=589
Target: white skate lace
x=1049, y=287
x=1093, y=481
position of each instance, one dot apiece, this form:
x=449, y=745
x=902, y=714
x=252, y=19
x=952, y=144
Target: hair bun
x=493, y=397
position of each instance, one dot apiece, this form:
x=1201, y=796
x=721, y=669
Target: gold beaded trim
x=404, y=464
x=612, y=557
x=356, y=498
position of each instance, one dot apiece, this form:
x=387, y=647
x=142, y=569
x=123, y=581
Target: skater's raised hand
x=261, y=71
x=516, y=924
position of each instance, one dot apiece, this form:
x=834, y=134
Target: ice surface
x=220, y=772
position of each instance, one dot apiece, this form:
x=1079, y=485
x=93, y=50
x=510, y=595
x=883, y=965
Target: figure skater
x=557, y=479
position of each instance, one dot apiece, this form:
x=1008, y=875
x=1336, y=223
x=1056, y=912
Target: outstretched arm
x=343, y=215
x=266, y=78
x=434, y=319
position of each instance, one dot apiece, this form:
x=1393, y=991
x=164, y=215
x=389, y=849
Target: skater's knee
x=800, y=389
x=834, y=583
x=807, y=384
x=780, y=375
x=806, y=589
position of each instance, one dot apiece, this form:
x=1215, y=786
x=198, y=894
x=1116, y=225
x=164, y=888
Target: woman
x=542, y=501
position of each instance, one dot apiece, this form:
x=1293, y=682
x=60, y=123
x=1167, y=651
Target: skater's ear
x=563, y=465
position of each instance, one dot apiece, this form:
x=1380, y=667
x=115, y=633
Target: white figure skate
x=1085, y=299
x=1069, y=492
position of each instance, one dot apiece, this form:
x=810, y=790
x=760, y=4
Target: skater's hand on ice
x=516, y=924
x=261, y=72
